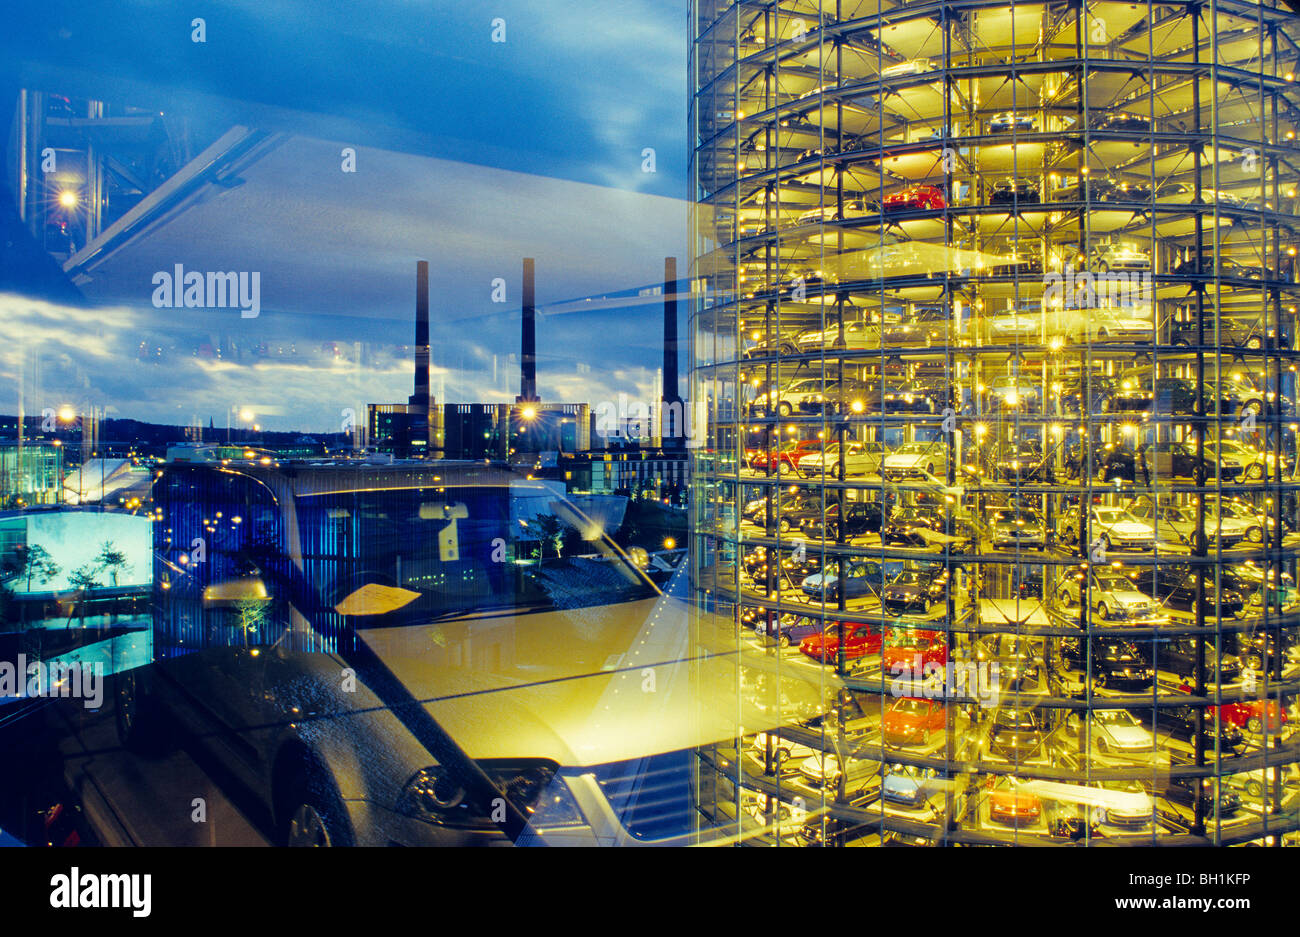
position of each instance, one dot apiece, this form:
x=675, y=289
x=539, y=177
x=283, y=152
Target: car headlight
x=434, y=796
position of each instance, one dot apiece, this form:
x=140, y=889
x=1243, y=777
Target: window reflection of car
x=915, y=458
x=350, y=628
x=1115, y=731
x=1112, y=596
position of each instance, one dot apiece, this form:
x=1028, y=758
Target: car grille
x=653, y=796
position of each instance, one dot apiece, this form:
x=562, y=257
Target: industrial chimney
x=672, y=421
x=420, y=407
x=528, y=351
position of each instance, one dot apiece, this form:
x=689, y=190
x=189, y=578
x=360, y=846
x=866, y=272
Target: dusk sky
x=469, y=154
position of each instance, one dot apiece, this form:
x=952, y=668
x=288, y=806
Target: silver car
x=1113, y=597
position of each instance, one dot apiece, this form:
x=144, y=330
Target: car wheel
x=1255, y=342
x=1255, y=472
x=1255, y=725
x=1103, y=611
x=1254, y=788
x=311, y=811
x=1102, y=747
x=1063, y=598
x=783, y=468
x=783, y=641
x=1103, y=267
x=782, y=755
x=142, y=726
x=1255, y=535
x=783, y=525
x=1105, y=542
x=1099, y=680
x=783, y=408
x=1255, y=662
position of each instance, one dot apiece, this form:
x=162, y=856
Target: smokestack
x=671, y=424
x=528, y=351
x=420, y=405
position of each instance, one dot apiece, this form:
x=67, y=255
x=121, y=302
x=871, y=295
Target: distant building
x=30, y=474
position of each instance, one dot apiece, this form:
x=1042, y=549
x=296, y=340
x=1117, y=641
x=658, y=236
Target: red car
x=910, y=721
x=860, y=639
x=915, y=198
x=909, y=651
x=1251, y=715
x=786, y=459
x=1014, y=808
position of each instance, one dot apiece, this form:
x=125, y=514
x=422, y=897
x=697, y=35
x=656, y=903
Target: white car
x=916, y=458
x=913, y=67
x=1115, y=731
x=1082, y=325
x=860, y=458
x=782, y=749
x=852, y=209
x=823, y=769
x=1115, y=527
x=785, y=402
x=1113, y=597
x=1178, y=524
x=1010, y=325
x=856, y=335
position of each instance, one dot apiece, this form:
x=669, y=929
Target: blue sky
x=470, y=154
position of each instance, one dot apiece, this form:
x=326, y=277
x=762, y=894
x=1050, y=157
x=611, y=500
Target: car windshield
x=910, y=576
x=909, y=639
x=1114, y=717
x=911, y=707
x=1115, y=516
x=915, y=448
x=402, y=555
x=1119, y=651
x=1114, y=584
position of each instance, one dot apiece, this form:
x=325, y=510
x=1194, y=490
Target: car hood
x=1129, y=736
x=1128, y=529
x=567, y=685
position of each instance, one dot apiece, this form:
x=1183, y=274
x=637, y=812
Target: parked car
x=1019, y=660
x=1120, y=257
x=1187, y=792
x=915, y=590
x=910, y=786
x=1018, y=528
x=786, y=458
x=1179, y=460
x=1183, y=193
x=1174, y=585
x=1016, y=733
x=860, y=517
x=1116, y=528
x=906, y=525
x=853, y=208
x=792, y=399
x=1116, y=121
x=1226, y=269
x=1112, y=596
x=858, y=640
x=911, y=721
x=1010, y=122
x=857, y=578
x=915, y=198
x=1177, y=655
x=1178, y=524
x=915, y=458
x=1257, y=717
x=859, y=458
x=910, y=67
x=1024, y=461
x=1180, y=723
x=1185, y=334
x=1112, y=662
x=788, y=630
x=1115, y=731
x=823, y=770
x=906, y=650
x=1014, y=391
x=1013, y=806
x=1014, y=191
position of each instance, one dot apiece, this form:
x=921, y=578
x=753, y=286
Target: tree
x=83, y=579
x=111, y=559
x=551, y=528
